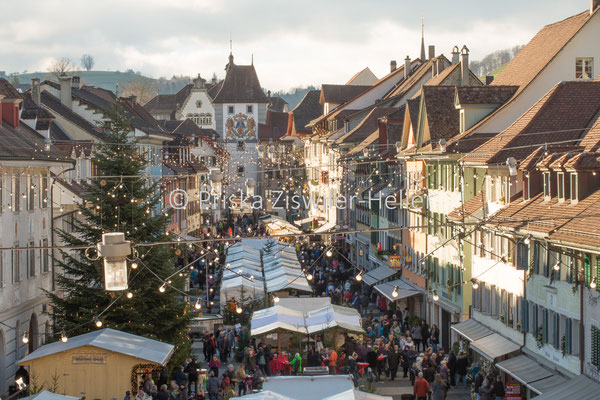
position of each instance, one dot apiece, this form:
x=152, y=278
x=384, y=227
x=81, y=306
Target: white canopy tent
x=242, y=278
x=279, y=226
x=404, y=289
x=309, y=316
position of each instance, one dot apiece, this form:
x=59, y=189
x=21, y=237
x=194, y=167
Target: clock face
x=240, y=126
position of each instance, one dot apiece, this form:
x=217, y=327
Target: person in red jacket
x=421, y=387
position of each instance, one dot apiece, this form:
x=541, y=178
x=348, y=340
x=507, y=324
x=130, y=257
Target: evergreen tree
x=121, y=205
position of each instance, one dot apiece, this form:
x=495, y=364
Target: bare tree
x=61, y=66
x=87, y=62
x=144, y=89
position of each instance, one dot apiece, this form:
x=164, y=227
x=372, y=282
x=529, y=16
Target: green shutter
x=568, y=335
x=597, y=274
x=587, y=266
x=534, y=319
x=545, y=325
x=524, y=315
x=595, y=353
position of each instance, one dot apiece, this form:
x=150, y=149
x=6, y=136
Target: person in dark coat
x=163, y=393
x=372, y=358
x=461, y=367
x=393, y=360
x=425, y=335
x=499, y=391
x=404, y=360
x=486, y=391
x=212, y=386
x=478, y=381
x=452, y=363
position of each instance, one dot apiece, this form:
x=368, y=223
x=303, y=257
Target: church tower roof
x=241, y=85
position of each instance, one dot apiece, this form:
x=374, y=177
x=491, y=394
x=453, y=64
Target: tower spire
x=423, y=57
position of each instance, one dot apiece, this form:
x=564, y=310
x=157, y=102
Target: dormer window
x=547, y=193
x=574, y=188
x=584, y=68
x=560, y=185
x=249, y=110
x=526, y=189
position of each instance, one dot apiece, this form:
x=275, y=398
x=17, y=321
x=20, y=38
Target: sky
x=293, y=43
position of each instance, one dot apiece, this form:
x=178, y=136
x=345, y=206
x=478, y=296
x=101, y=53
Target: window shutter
x=536, y=257
x=556, y=329
x=545, y=325
x=587, y=268
x=524, y=315
x=595, y=353
x=522, y=256
x=568, y=335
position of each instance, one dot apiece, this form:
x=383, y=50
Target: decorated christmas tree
x=120, y=199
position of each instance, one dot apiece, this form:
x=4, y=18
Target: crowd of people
x=395, y=342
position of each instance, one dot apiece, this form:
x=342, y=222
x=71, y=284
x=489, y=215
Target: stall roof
x=310, y=318
x=471, y=329
x=378, y=274
x=547, y=384
x=326, y=227
x=308, y=387
x=113, y=340
x=494, y=346
x=46, y=395
x=264, y=395
x=579, y=388
x=304, y=221
x=405, y=289
x=354, y=394
x=524, y=369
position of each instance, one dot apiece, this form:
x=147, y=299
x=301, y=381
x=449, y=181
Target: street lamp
x=114, y=249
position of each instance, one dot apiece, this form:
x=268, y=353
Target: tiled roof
x=442, y=116
x=30, y=110
x=576, y=228
x=367, y=126
x=78, y=147
x=562, y=115
x=413, y=110
x=57, y=133
x=418, y=71
x=470, y=207
x=591, y=140
x=78, y=189
x=275, y=126
x=363, y=72
x=489, y=95
x=338, y=94
x=443, y=75
x=308, y=109
x=241, y=85
x=372, y=138
x=58, y=108
x=8, y=91
x=24, y=143
x=538, y=155
x=168, y=102
x=139, y=117
x=276, y=103
x=540, y=51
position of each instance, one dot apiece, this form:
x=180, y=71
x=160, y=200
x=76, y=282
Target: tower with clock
x=240, y=107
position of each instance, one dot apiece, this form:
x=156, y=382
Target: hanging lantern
x=115, y=249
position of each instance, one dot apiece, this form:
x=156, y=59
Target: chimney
x=455, y=55
x=65, y=90
x=406, y=67
x=10, y=111
x=76, y=83
x=393, y=65
x=35, y=91
x=464, y=65
x=593, y=5
x=431, y=52
x=489, y=79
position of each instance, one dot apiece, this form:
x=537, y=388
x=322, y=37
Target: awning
x=471, y=330
x=579, y=388
x=546, y=384
x=378, y=274
x=304, y=221
x=524, y=369
x=405, y=289
x=326, y=227
x=494, y=346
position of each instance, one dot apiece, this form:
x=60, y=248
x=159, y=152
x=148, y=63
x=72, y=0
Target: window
x=547, y=192
x=16, y=267
x=240, y=170
x=17, y=194
x=31, y=261
x=526, y=187
x=584, y=68
x=560, y=185
x=241, y=146
x=230, y=109
x=574, y=191
x=522, y=256
x=45, y=256
x=249, y=110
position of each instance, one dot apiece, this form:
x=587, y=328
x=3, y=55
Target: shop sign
x=91, y=358
x=513, y=391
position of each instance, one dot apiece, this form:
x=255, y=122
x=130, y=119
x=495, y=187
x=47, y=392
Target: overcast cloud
x=294, y=42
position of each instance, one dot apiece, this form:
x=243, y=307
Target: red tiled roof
x=560, y=116
x=241, y=85
x=470, y=207
x=367, y=126
x=8, y=91
x=489, y=95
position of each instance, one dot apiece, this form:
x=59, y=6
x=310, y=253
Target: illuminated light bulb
x=593, y=283
x=275, y=299
x=162, y=288
x=475, y=283
x=309, y=276
x=238, y=309
x=98, y=322
x=556, y=267
x=359, y=275
x=395, y=292
x=198, y=306
x=129, y=295
x=435, y=296
x=25, y=338
x=527, y=240
x=134, y=265
x=329, y=253
x=63, y=337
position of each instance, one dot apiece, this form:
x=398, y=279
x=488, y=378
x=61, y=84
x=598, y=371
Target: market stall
x=103, y=364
